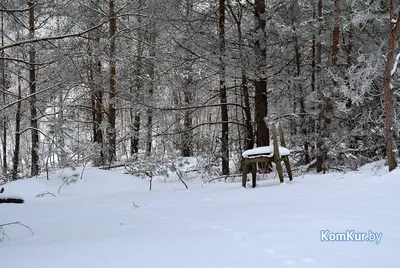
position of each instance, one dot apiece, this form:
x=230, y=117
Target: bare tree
x=135, y=114
x=222, y=90
x=260, y=47
x=152, y=39
x=112, y=135
x=32, y=87
x=3, y=88
x=96, y=92
x=14, y=173
x=394, y=30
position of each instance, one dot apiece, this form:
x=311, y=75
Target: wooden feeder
x=267, y=154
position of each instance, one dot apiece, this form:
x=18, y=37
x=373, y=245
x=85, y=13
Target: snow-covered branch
x=396, y=63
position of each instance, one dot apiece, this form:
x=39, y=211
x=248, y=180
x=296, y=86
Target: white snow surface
x=265, y=151
x=111, y=220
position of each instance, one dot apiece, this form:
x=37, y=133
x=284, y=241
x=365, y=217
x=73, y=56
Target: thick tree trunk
x=14, y=173
x=112, y=134
x=261, y=104
x=394, y=29
x=222, y=91
x=32, y=91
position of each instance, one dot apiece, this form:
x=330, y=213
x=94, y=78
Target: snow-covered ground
x=111, y=220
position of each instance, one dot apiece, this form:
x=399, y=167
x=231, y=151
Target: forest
x=142, y=83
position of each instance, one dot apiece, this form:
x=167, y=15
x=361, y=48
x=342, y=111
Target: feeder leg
x=254, y=174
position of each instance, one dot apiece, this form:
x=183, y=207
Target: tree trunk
x=319, y=128
x=96, y=93
x=187, y=136
x=135, y=134
x=112, y=135
x=97, y=111
x=135, y=114
x=298, y=87
x=261, y=104
x=152, y=73
x=4, y=87
x=222, y=90
x=394, y=29
x=32, y=91
x=14, y=173
x=336, y=32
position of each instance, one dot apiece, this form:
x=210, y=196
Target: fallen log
x=9, y=199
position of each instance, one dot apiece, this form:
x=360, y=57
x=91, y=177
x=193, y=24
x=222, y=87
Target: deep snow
x=108, y=219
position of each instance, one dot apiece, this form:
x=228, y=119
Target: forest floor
x=112, y=220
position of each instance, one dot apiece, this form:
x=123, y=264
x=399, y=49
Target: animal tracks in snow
x=289, y=262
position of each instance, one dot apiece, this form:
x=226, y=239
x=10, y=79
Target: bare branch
x=27, y=97
x=3, y=234
x=49, y=38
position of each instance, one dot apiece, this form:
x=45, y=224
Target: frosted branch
x=396, y=62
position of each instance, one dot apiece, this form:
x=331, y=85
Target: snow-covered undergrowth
x=107, y=219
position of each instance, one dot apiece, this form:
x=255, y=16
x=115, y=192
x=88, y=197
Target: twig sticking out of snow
x=3, y=234
x=45, y=193
x=180, y=176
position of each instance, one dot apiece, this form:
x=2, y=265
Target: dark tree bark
x=14, y=173
x=135, y=114
x=152, y=73
x=320, y=154
x=4, y=87
x=135, y=133
x=223, y=91
x=298, y=87
x=96, y=92
x=336, y=32
x=261, y=103
x=187, y=136
x=394, y=30
x=98, y=115
x=112, y=137
x=32, y=91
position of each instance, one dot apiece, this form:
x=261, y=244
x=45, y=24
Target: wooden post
x=253, y=174
x=277, y=157
x=244, y=173
x=285, y=158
